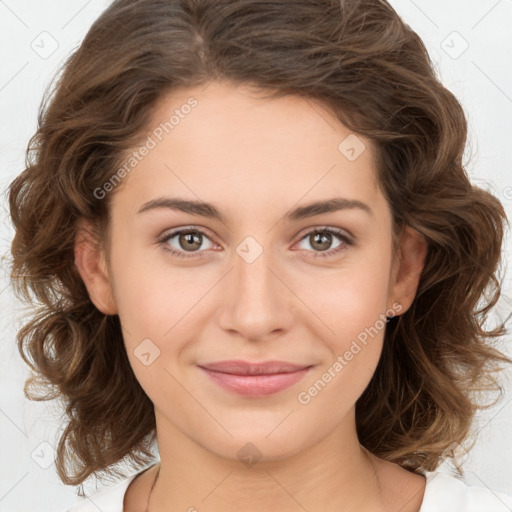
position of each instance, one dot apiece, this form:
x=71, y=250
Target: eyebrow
x=208, y=210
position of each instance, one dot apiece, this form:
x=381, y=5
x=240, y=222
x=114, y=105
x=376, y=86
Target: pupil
x=190, y=238
x=324, y=239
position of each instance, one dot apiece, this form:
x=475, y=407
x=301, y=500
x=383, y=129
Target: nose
x=258, y=302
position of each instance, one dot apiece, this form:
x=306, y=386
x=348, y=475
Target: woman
x=256, y=244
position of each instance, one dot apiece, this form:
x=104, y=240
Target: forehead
x=227, y=140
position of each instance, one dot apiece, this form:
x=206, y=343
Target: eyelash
x=347, y=242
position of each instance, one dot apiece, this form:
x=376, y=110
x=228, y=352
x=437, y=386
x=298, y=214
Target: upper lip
x=246, y=368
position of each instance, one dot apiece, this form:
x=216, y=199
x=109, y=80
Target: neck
x=335, y=474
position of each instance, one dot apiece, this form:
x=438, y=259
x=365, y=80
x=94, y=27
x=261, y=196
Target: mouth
x=254, y=379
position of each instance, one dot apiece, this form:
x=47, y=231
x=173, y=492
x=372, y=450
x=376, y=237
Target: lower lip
x=256, y=385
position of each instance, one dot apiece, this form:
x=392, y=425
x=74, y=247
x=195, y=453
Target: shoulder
x=108, y=499
x=446, y=493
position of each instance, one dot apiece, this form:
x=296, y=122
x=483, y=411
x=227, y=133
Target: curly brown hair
x=373, y=72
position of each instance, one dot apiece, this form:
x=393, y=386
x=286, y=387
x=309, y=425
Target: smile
x=254, y=379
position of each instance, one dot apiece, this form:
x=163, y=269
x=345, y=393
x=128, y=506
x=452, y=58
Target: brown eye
x=190, y=241
x=321, y=240
x=185, y=241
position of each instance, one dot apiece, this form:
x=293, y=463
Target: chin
x=251, y=446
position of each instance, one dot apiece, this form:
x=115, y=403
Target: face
x=266, y=279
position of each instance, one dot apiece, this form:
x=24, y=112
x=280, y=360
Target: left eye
x=191, y=240
x=323, y=236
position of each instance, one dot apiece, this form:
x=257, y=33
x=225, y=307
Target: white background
x=480, y=76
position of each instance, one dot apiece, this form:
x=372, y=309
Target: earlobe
x=408, y=266
x=91, y=264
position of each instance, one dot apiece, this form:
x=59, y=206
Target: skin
x=255, y=159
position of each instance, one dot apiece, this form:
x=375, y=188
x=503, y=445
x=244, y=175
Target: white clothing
x=443, y=493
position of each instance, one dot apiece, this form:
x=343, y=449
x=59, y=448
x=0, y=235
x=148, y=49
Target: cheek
x=159, y=308
x=352, y=306
x=357, y=326
x=350, y=300
x=151, y=296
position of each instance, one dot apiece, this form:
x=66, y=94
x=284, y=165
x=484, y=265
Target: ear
x=407, y=267
x=91, y=263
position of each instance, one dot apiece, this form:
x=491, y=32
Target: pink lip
x=255, y=379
